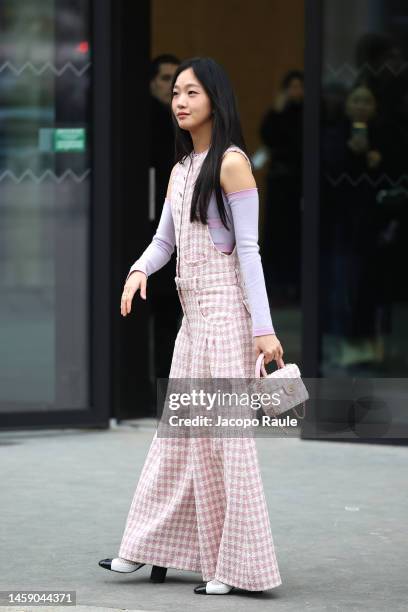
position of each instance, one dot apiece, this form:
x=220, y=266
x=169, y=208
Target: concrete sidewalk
x=65, y=609
x=338, y=514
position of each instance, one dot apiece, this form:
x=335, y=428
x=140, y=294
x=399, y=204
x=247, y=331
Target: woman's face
x=360, y=105
x=294, y=90
x=189, y=97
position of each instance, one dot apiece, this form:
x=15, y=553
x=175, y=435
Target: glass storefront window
x=45, y=167
x=364, y=188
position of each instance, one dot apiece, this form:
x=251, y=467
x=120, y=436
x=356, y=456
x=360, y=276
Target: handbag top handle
x=260, y=366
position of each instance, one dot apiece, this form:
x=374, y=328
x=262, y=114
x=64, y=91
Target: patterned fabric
x=242, y=211
x=199, y=504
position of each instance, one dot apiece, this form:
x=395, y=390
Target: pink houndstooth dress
x=199, y=504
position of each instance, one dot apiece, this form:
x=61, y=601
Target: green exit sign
x=69, y=140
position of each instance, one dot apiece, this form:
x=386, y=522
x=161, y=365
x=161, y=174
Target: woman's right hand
x=136, y=280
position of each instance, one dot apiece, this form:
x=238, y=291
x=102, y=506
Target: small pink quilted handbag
x=292, y=391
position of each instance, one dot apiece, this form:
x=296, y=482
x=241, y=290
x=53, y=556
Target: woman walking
x=199, y=504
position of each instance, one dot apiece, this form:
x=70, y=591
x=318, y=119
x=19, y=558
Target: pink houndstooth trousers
x=199, y=504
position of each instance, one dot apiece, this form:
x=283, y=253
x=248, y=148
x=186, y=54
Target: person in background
x=281, y=132
x=162, y=69
x=361, y=155
x=166, y=307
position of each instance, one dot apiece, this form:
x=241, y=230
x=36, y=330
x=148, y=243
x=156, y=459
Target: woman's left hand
x=271, y=347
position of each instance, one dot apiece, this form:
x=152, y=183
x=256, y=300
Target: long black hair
x=226, y=132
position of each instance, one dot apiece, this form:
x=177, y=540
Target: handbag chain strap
x=295, y=411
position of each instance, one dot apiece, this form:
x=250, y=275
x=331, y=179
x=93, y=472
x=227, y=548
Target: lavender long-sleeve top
x=243, y=206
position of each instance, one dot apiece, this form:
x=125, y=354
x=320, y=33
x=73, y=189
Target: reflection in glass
x=364, y=191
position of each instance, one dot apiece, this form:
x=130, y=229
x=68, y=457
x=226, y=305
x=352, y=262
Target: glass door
x=356, y=217
x=45, y=211
x=364, y=189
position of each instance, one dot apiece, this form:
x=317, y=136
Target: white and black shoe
x=120, y=565
x=124, y=566
x=213, y=587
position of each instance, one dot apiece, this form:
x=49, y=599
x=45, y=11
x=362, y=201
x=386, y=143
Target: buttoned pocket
x=219, y=305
